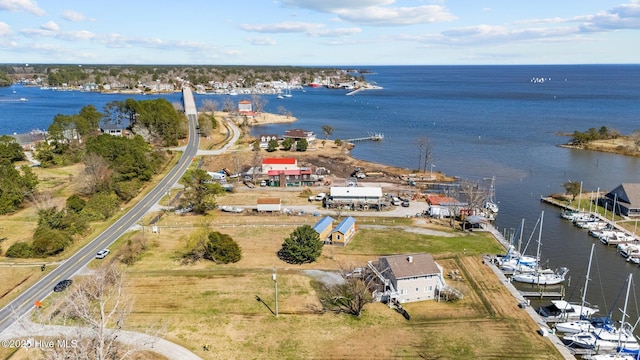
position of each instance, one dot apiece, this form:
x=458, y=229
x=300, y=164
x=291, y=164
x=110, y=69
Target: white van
x=396, y=201
x=217, y=176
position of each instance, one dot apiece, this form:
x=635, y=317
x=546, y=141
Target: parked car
x=405, y=203
x=102, y=254
x=320, y=196
x=62, y=285
x=263, y=183
x=395, y=201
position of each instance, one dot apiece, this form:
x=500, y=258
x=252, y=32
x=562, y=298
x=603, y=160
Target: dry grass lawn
x=205, y=303
x=215, y=304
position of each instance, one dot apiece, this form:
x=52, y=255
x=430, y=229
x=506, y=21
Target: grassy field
x=208, y=304
x=213, y=304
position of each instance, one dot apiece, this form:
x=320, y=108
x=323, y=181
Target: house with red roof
x=269, y=164
x=246, y=109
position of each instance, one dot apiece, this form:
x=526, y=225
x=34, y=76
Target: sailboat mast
x=586, y=281
x=538, y=251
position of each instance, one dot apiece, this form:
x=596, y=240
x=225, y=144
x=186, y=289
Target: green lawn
x=396, y=241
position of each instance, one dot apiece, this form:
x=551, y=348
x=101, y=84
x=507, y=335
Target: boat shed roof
x=351, y=191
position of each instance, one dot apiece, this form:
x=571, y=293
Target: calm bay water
x=482, y=121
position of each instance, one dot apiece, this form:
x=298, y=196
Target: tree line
x=115, y=168
x=593, y=134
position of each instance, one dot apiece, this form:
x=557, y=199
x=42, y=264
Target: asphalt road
x=68, y=268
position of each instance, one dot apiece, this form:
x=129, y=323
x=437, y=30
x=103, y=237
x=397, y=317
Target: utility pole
x=275, y=282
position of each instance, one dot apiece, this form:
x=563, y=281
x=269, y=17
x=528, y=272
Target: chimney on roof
x=410, y=259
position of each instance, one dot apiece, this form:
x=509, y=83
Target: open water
x=482, y=121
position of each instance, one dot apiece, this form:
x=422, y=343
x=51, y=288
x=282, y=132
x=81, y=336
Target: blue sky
x=320, y=32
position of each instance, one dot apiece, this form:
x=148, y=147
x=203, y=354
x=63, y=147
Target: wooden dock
x=542, y=294
x=373, y=137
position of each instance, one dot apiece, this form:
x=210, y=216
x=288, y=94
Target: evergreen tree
x=302, y=246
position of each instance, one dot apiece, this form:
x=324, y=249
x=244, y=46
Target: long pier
x=373, y=137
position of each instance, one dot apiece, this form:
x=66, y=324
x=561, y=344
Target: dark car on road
x=62, y=285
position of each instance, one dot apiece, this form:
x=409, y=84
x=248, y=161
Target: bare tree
x=210, y=106
x=98, y=307
x=351, y=294
x=229, y=106
x=205, y=124
x=283, y=111
x=256, y=161
x=178, y=106
x=258, y=103
x=474, y=193
x=427, y=153
x=97, y=172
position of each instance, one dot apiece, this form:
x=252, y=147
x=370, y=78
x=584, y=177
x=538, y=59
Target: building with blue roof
x=344, y=232
x=324, y=227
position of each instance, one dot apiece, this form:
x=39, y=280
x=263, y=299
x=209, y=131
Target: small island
x=605, y=140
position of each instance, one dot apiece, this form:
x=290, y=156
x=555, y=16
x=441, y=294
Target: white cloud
x=74, y=16
x=5, y=29
x=330, y=6
x=50, y=26
x=285, y=27
x=310, y=29
x=376, y=12
x=261, y=41
x=21, y=5
x=396, y=16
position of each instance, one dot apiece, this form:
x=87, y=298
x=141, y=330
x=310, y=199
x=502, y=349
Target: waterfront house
x=286, y=178
x=111, y=129
x=324, y=227
x=269, y=164
x=269, y=205
x=444, y=206
x=298, y=134
x=409, y=277
x=624, y=200
x=246, y=109
x=344, y=232
x=29, y=141
x=265, y=138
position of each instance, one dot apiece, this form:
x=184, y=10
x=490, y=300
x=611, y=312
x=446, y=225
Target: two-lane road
x=43, y=288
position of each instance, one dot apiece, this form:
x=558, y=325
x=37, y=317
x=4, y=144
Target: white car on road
x=102, y=254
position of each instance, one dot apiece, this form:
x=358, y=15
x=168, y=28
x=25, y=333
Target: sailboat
x=490, y=203
x=541, y=277
x=287, y=92
x=513, y=261
x=608, y=338
x=584, y=323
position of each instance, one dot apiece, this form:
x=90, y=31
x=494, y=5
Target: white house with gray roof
x=409, y=277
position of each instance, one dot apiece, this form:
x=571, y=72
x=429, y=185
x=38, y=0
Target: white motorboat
x=231, y=209
x=564, y=310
